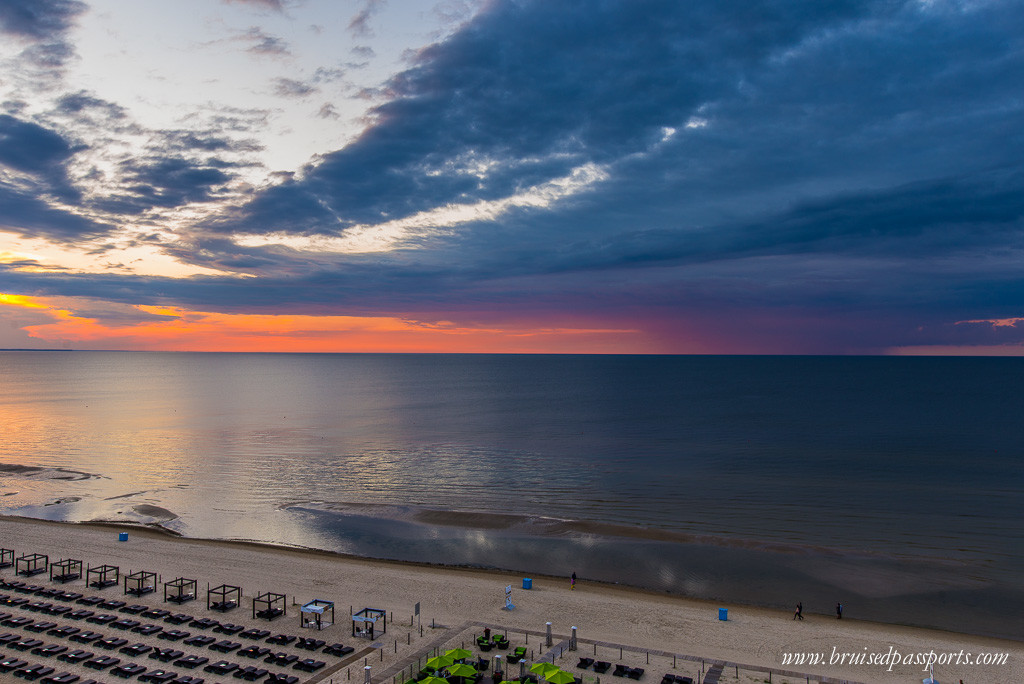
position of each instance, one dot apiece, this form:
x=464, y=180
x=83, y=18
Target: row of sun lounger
x=602, y=666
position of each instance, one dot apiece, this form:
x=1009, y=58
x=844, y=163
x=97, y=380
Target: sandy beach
x=663, y=634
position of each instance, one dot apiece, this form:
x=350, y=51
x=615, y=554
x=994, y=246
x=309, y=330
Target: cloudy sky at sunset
x=708, y=176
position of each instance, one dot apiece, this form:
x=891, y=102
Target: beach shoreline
x=606, y=613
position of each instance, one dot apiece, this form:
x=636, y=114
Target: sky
x=520, y=176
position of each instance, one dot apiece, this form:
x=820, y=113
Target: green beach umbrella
x=458, y=653
x=440, y=662
x=543, y=669
x=560, y=677
x=461, y=670
x=433, y=680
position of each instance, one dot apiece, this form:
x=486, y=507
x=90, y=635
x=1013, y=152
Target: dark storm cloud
x=566, y=83
x=29, y=147
x=24, y=213
x=167, y=181
x=84, y=101
x=38, y=19
x=33, y=149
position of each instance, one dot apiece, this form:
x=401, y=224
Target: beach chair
x=111, y=643
x=127, y=671
x=76, y=656
x=33, y=671
x=173, y=635
x=62, y=678
x=166, y=655
x=12, y=663
x=86, y=637
x=49, y=651
x=281, y=678
x=585, y=663
x=192, y=661
x=135, y=650
x=102, y=662
x=601, y=666
x=634, y=672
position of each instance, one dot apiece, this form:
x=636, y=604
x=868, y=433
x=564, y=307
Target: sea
x=890, y=484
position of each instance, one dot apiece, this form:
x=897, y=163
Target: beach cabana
x=365, y=622
x=317, y=613
x=103, y=576
x=6, y=558
x=269, y=606
x=31, y=564
x=223, y=598
x=65, y=570
x=139, y=583
x=179, y=590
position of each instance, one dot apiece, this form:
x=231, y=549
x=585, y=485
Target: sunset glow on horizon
x=512, y=176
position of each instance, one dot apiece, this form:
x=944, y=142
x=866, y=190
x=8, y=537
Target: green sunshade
x=440, y=662
x=560, y=677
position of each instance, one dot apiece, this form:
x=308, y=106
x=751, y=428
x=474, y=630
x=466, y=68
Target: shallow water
x=890, y=484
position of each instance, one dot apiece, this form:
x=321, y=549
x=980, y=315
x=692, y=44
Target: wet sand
x=606, y=615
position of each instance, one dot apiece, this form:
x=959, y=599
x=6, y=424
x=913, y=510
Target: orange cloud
x=177, y=329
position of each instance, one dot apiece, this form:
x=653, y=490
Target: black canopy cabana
x=315, y=614
x=31, y=564
x=103, y=576
x=65, y=570
x=139, y=583
x=183, y=590
x=367, y=620
x=269, y=606
x=223, y=598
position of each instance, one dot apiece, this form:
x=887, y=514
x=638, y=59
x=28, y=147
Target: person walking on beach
x=839, y=611
x=572, y=580
x=799, y=614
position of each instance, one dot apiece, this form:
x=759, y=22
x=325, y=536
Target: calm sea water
x=893, y=485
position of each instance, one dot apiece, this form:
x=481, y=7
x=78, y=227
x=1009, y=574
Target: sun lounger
x=41, y=626
x=76, y=656
x=102, y=662
x=133, y=609
x=49, y=651
x=11, y=663
x=158, y=676
x=111, y=643
x=26, y=644
x=135, y=650
x=86, y=637
x=221, y=667
x=191, y=661
x=635, y=672
x=601, y=666
x=255, y=634
x=281, y=678
x=177, y=619
x=62, y=678
x=166, y=655
x=33, y=671
x=127, y=671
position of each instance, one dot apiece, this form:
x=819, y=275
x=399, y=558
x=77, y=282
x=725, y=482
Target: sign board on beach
x=416, y=609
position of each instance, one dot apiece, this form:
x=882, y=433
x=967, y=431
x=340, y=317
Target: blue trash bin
x=527, y=583
x=723, y=613
x=122, y=536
